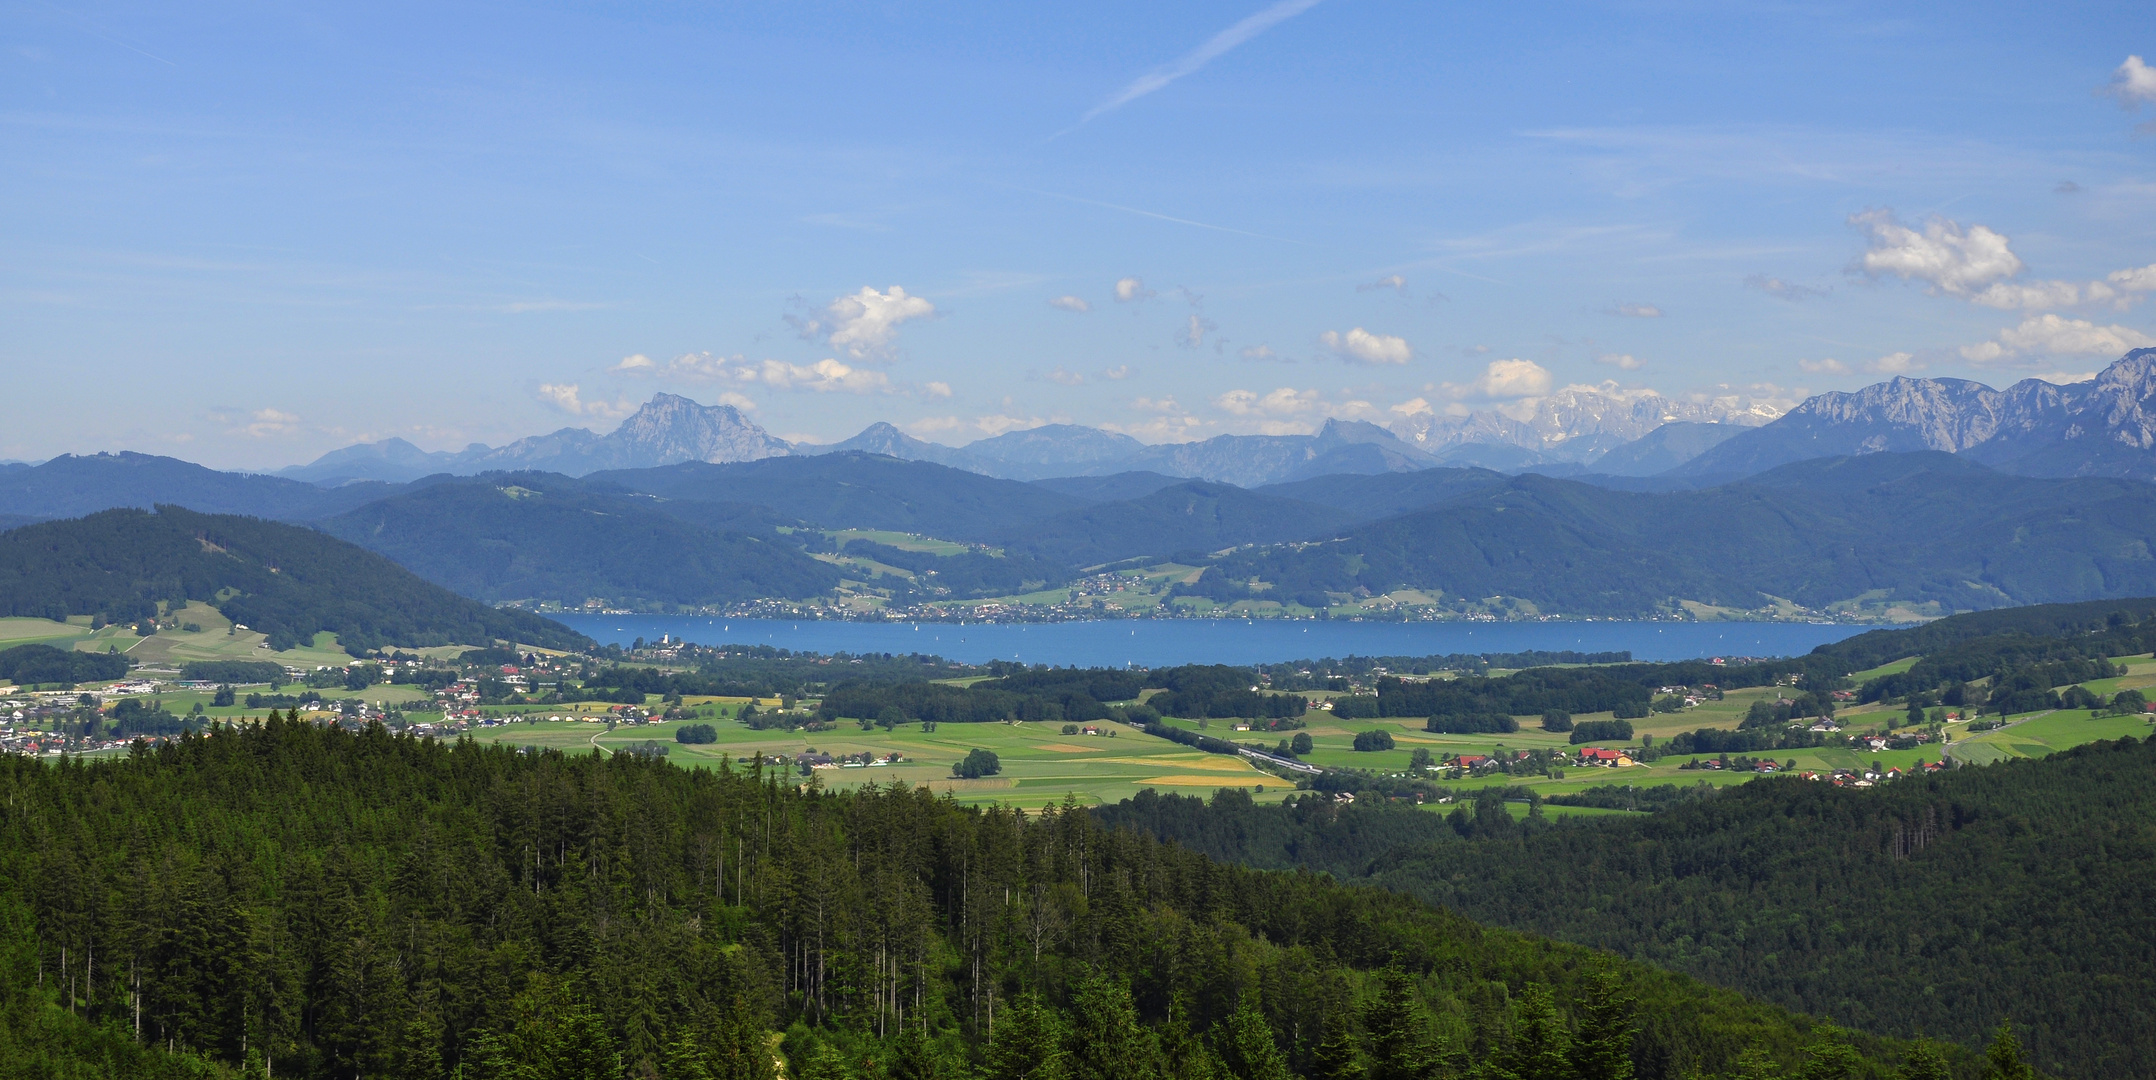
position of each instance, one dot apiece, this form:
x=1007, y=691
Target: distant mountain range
x=1575, y=424
x=1571, y=426
x=668, y=429
x=1938, y=492
x=2103, y=427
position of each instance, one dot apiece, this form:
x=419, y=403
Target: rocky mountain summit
x=667, y=430
x=2103, y=427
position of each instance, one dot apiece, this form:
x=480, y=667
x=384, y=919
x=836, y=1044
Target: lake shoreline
x=1153, y=642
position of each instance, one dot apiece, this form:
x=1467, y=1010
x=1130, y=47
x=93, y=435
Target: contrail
x=1280, y=11
x=81, y=25
x=1151, y=214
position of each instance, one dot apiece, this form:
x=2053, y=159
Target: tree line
x=1937, y=905
x=295, y=901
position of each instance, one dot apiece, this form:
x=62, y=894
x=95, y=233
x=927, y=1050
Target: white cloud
x=1394, y=282
x=822, y=377
x=2052, y=335
x=2010, y=296
x=2132, y=83
x=1365, y=347
x=997, y=425
x=563, y=396
x=1258, y=352
x=2065, y=378
x=937, y=389
x=865, y=323
x=1637, y=311
x=1249, y=27
x=1782, y=290
x=1828, y=366
x=1118, y=372
x=1621, y=361
x=1193, y=334
x=1071, y=303
x=1899, y=363
x=567, y=398
x=1413, y=407
x=934, y=424
x=1131, y=290
x=1285, y=401
x=259, y=424
x=1502, y=379
x=2140, y=279
x=1065, y=378
x=1954, y=260
x=1169, y=421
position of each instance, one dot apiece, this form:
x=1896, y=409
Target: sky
x=246, y=234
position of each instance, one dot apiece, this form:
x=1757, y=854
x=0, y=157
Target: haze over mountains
x=2105, y=427
x=1915, y=495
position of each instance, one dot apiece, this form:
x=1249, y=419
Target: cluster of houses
x=817, y=759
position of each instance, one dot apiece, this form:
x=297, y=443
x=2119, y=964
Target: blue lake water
x=1158, y=642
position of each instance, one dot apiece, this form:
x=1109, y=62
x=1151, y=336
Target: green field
x=1040, y=765
x=215, y=639
x=25, y=631
x=2047, y=733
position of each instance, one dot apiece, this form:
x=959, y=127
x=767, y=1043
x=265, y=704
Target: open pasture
x=1040, y=765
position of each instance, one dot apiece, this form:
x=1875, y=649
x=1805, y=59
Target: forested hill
x=1941, y=905
x=1817, y=532
x=284, y=581
x=523, y=536
x=315, y=902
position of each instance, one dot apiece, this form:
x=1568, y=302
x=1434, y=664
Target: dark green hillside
x=322, y=903
x=856, y=490
x=28, y=664
x=1940, y=905
x=2086, y=619
x=1815, y=532
x=964, y=575
x=281, y=580
x=1196, y=515
x=1383, y=495
x=1114, y=487
x=534, y=536
x=74, y=485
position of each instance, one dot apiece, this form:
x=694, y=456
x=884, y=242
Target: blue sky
x=246, y=234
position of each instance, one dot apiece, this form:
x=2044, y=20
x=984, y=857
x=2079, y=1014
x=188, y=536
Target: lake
x=1159, y=642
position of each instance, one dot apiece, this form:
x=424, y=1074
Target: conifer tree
x=1540, y=1047
x=1027, y=1044
x=2002, y=1059
x=1336, y=1057
x=1924, y=1062
x=1399, y=1032
x=1602, y=1047
x=1828, y=1056
x=1105, y=1040
x=1247, y=1048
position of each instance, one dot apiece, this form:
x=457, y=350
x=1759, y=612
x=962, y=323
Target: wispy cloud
x=1782, y=290
x=1213, y=48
